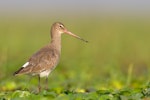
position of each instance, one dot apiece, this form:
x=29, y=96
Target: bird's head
x=58, y=28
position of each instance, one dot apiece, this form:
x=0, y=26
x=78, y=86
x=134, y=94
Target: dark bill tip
x=76, y=36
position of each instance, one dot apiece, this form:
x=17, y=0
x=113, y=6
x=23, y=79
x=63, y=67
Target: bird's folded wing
x=42, y=60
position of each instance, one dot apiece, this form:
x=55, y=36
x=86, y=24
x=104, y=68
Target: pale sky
x=74, y=6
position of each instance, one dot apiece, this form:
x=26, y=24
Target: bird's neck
x=56, y=42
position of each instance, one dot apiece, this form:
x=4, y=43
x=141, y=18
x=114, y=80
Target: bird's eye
x=61, y=26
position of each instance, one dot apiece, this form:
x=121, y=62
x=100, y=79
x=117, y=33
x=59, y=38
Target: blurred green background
x=117, y=55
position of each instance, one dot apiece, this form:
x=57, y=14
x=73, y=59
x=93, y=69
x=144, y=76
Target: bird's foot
x=39, y=89
x=46, y=88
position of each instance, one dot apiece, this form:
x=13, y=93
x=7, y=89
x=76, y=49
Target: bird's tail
x=22, y=70
x=17, y=72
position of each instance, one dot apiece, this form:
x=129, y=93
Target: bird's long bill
x=68, y=32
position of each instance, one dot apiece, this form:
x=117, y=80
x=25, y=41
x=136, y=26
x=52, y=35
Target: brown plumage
x=46, y=59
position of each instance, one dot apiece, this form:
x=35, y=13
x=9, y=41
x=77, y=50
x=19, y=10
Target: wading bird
x=46, y=59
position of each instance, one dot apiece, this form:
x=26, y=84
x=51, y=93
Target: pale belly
x=45, y=73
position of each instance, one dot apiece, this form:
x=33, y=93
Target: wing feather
x=45, y=59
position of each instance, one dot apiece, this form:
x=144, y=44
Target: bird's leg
x=46, y=83
x=39, y=86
